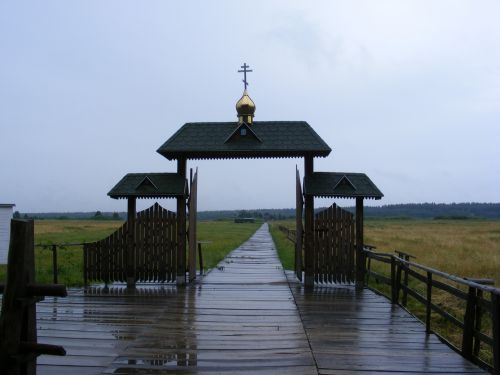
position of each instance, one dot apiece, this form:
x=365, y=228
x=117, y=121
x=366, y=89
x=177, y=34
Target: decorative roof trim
x=247, y=127
x=344, y=178
x=147, y=180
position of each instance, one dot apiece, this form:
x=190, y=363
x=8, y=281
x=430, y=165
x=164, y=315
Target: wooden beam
x=131, y=213
x=360, y=258
x=308, y=228
x=181, y=228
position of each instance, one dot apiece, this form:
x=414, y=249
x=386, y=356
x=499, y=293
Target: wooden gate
x=154, y=234
x=334, y=248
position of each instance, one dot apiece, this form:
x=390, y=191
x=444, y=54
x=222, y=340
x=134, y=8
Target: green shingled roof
x=150, y=185
x=211, y=140
x=341, y=185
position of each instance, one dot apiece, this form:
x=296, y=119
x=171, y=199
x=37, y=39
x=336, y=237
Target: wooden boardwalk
x=240, y=319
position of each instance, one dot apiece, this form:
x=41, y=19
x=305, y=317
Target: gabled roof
x=341, y=185
x=207, y=140
x=150, y=185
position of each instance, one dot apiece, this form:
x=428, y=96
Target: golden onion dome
x=245, y=106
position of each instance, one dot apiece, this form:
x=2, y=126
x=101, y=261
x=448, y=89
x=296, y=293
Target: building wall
x=5, y=217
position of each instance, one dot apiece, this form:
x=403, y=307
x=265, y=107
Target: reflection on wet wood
x=359, y=332
x=242, y=318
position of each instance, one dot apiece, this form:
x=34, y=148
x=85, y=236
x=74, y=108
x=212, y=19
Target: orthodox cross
x=244, y=71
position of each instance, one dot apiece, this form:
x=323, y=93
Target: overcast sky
x=407, y=92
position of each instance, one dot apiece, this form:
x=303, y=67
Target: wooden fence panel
x=334, y=251
x=155, y=244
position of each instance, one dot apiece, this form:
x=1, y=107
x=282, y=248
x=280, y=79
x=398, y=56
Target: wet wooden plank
x=244, y=317
x=241, y=319
x=355, y=331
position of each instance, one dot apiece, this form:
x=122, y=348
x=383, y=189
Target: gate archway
x=249, y=139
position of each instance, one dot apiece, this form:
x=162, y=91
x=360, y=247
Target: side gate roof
x=341, y=185
x=213, y=140
x=150, y=185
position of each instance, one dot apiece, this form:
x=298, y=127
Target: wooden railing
x=478, y=304
x=53, y=247
x=291, y=234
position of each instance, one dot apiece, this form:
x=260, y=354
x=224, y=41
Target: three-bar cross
x=244, y=71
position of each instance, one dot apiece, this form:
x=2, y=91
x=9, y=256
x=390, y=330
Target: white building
x=5, y=217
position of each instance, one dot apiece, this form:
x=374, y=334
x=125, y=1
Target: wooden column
x=308, y=228
x=192, y=235
x=360, y=258
x=299, y=206
x=131, y=213
x=181, y=228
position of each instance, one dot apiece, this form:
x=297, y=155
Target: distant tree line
x=98, y=215
x=456, y=211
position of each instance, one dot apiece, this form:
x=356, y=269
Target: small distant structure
x=244, y=220
x=5, y=217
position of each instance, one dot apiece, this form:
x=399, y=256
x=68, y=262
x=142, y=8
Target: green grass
x=285, y=247
x=223, y=235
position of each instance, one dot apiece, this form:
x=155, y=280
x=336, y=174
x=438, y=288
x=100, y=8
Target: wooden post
x=469, y=320
x=181, y=227
x=394, y=286
x=360, y=257
x=309, y=228
x=478, y=324
x=18, y=321
x=131, y=213
x=299, y=203
x=495, y=317
x=54, y=264
x=428, y=304
x=405, y=291
x=192, y=235
x=200, y=255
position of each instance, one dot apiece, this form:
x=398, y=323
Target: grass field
x=222, y=235
x=467, y=248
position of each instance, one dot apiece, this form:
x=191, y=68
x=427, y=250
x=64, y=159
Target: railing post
x=85, y=265
x=399, y=266
x=368, y=269
x=18, y=330
x=477, y=326
x=468, y=333
x=200, y=257
x=428, y=306
x=54, y=263
x=405, y=282
x=495, y=317
x=360, y=255
x=394, y=287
